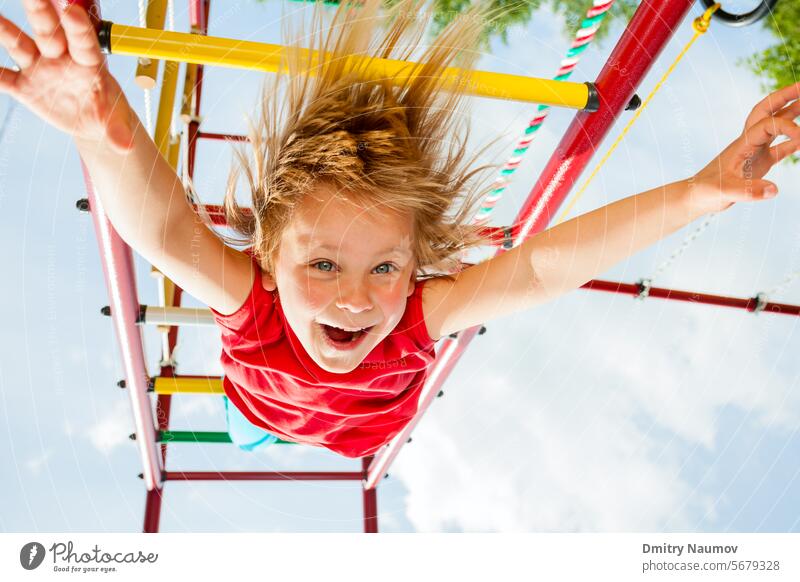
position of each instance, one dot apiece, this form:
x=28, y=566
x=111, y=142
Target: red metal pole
x=197, y=14
x=222, y=136
x=152, y=510
x=120, y=278
x=638, y=48
x=191, y=137
x=449, y=353
x=116, y=255
x=199, y=17
x=263, y=476
x=370, y=497
x=651, y=27
x=117, y=260
x=748, y=304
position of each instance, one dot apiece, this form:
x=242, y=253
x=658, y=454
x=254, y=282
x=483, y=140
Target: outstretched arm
x=570, y=254
x=63, y=78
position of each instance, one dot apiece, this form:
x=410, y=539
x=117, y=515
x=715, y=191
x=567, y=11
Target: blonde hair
x=392, y=147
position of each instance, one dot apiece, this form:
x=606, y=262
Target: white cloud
x=585, y=423
x=35, y=464
x=76, y=355
x=112, y=427
x=107, y=360
x=183, y=409
x=582, y=414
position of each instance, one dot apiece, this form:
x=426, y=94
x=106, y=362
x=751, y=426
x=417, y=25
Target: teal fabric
x=244, y=433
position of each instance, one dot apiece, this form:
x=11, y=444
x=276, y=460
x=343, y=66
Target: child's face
x=342, y=265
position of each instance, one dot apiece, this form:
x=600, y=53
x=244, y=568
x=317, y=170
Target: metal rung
x=187, y=436
x=121, y=39
x=187, y=385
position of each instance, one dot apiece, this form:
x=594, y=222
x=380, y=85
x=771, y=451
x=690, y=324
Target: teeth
x=353, y=330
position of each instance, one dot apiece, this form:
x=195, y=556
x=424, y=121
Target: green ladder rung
x=187, y=436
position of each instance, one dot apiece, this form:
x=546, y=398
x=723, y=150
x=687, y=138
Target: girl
x=329, y=319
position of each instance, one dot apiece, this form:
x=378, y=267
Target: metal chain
x=687, y=242
x=783, y=284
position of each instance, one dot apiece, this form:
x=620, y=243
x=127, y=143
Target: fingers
x=48, y=34
x=763, y=189
x=791, y=111
x=8, y=81
x=749, y=190
x=81, y=37
x=765, y=131
x=772, y=104
x=784, y=150
x=19, y=45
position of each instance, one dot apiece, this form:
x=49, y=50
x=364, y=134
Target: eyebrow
x=324, y=247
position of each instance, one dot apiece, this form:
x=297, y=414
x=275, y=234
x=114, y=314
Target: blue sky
x=591, y=413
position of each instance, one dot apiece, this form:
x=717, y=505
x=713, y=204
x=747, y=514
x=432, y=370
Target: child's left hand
x=736, y=174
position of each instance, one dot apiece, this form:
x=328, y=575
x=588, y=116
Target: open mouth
x=344, y=337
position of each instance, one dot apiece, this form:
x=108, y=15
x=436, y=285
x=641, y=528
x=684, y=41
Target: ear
x=268, y=281
x=412, y=283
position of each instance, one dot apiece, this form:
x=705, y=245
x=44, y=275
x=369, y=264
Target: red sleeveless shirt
x=276, y=385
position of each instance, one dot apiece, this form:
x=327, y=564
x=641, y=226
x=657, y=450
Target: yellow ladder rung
x=166, y=385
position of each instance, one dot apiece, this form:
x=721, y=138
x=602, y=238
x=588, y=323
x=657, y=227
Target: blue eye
x=325, y=266
x=381, y=271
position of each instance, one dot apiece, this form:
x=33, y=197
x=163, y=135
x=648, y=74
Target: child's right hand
x=63, y=77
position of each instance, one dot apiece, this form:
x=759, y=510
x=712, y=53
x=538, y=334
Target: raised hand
x=63, y=77
x=736, y=175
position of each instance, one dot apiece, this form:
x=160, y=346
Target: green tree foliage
x=776, y=66
x=779, y=65
x=573, y=11
x=520, y=12
x=514, y=12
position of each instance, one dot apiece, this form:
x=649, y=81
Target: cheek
x=314, y=296
x=317, y=297
x=301, y=297
x=392, y=299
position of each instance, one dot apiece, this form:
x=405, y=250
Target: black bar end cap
x=104, y=36
x=593, y=100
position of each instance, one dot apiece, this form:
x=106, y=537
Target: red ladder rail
x=651, y=27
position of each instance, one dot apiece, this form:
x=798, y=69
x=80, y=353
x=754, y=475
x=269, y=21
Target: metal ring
x=746, y=19
x=104, y=36
x=592, y=99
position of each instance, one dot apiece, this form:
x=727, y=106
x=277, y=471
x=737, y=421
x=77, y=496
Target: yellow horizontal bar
x=163, y=385
x=242, y=54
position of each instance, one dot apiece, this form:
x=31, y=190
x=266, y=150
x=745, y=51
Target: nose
x=353, y=296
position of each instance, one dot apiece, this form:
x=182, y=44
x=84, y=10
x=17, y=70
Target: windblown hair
x=389, y=146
